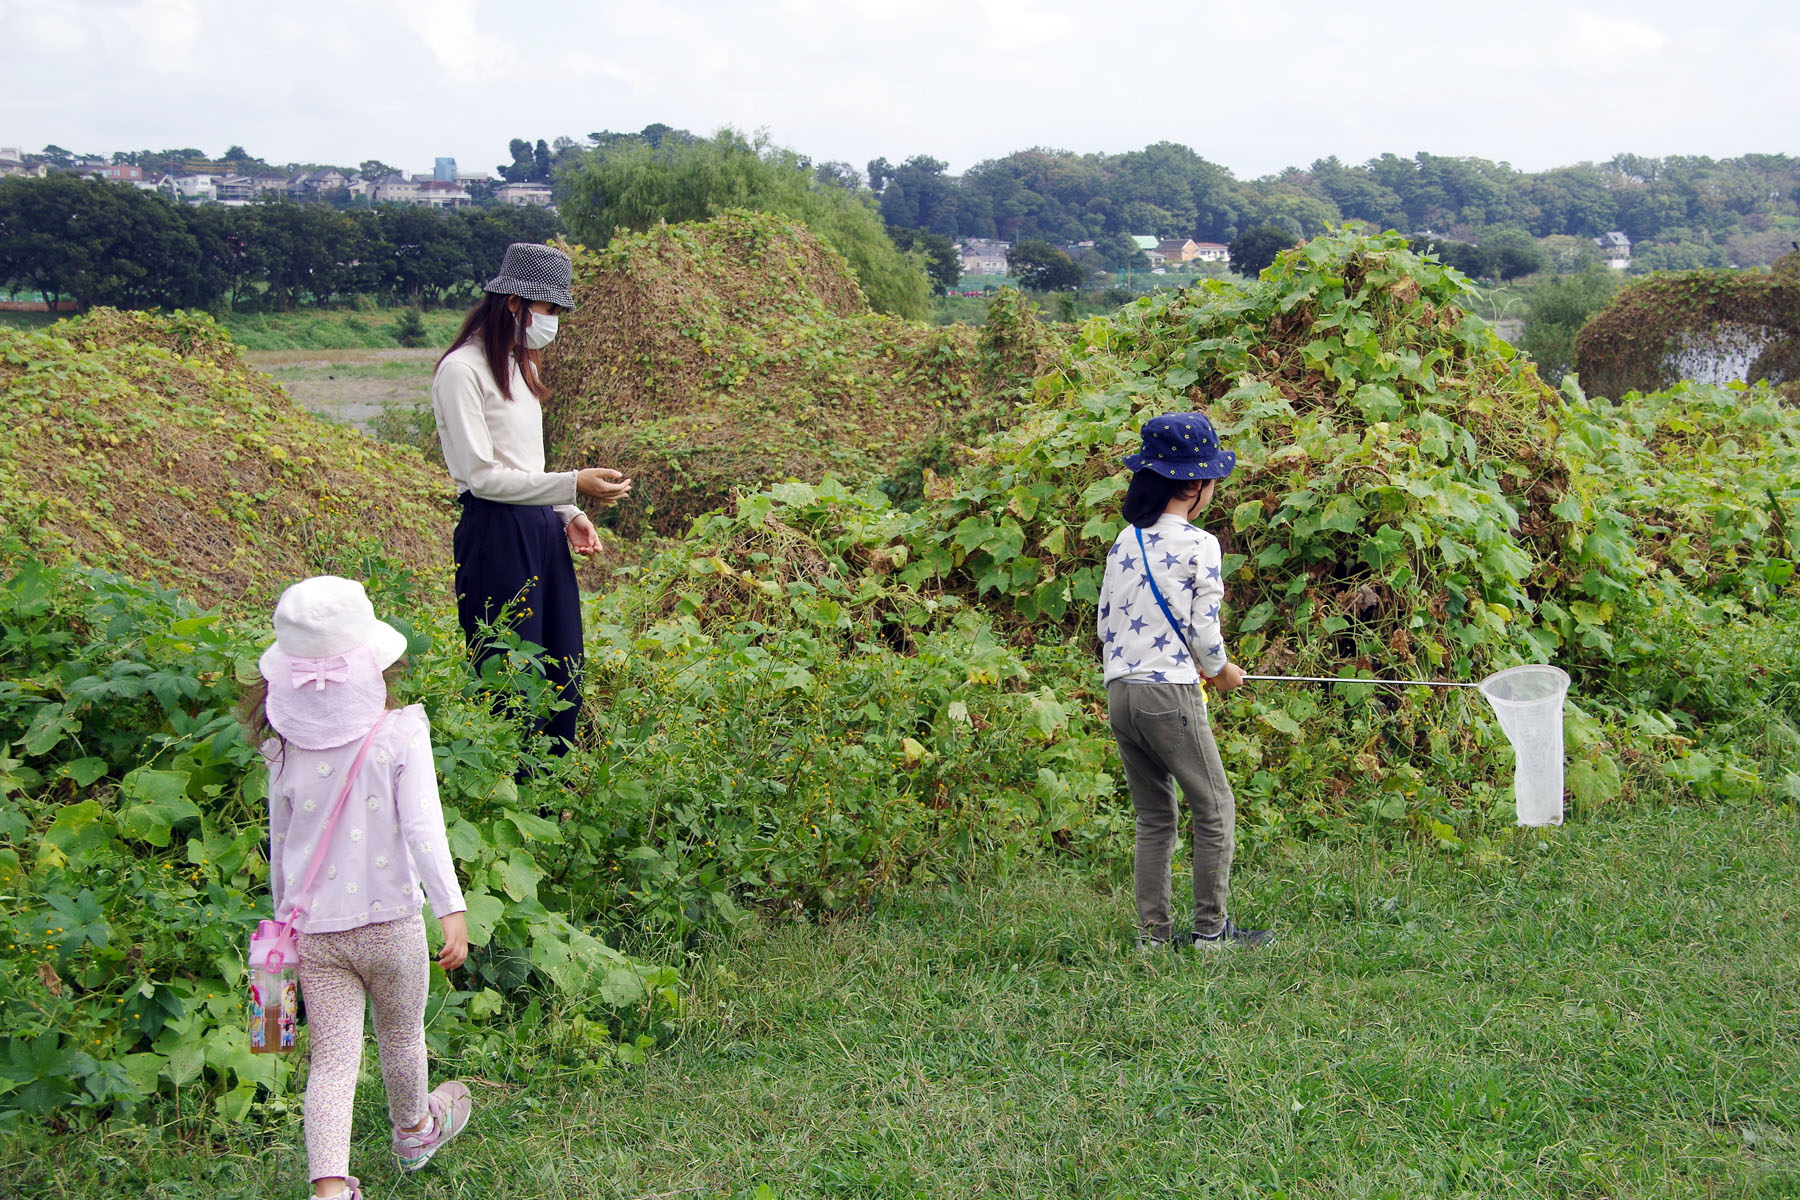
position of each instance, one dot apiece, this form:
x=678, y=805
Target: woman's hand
x=456, y=941
x=583, y=537
x=603, y=484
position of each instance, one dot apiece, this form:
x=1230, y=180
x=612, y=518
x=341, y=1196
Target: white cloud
x=164, y=33
x=1604, y=36
x=452, y=32
x=1254, y=85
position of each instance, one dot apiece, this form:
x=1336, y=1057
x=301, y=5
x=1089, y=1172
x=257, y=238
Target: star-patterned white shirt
x=1136, y=641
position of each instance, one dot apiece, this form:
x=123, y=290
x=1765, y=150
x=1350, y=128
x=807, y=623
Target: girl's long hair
x=502, y=339
x=1149, y=495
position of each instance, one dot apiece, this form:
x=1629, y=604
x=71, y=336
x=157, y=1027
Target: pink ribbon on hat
x=321, y=671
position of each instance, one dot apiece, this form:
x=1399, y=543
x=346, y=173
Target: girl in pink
x=361, y=932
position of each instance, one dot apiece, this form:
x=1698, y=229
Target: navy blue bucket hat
x=1182, y=446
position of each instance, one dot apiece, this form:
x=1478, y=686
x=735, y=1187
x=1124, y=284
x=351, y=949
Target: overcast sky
x=1254, y=86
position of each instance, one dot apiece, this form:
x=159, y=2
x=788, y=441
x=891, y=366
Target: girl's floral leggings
x=391, y=964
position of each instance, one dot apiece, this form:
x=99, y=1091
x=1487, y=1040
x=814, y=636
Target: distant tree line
x=1070, y=217
x=114, y=244
x=633, y=181
x=1681, y=211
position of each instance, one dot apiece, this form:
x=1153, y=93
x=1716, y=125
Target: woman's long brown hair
x=502, y=339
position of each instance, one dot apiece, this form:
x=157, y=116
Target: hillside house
x=12, y=162
x=118, y=173
x=983, y=256
x=1615, y=250
x=1178, y=250
x=441, y=193
x=395, y=189
x=235, y=190
x=238, y=190
x=1217, y=252
x=524, y=194
x=313, y=185
x=188, y=189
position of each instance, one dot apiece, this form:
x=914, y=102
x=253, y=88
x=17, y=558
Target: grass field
x=1605, y=1010
x=350, y=386
x=336, y=329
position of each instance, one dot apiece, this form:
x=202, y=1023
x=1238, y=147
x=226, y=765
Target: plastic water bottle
x=274, y=989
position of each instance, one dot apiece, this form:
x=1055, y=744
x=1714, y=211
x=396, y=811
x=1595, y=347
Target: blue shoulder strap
x=1150, y=578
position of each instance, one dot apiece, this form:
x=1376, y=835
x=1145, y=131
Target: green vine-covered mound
x=1395, y=465
x=1635, y=343
x=1411, y=502
x=145, y=445
x=725, y=354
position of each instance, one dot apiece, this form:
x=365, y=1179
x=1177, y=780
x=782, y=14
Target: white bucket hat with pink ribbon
x=324, y=670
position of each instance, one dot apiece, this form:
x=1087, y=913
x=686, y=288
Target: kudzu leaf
x=1593, y=782
x=535, y=827
x=79, y=832
x=84, y=770
x=483, y=915
x=47, y=729
x=518, y=875
x=1279, y=720
x=465, y=841
x=161, y=803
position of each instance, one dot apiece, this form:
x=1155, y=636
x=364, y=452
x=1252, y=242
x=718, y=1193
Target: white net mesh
x=1529, y=703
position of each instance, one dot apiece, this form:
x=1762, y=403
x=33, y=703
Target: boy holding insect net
x=1158, y=625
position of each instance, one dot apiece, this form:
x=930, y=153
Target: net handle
x=1391, y=682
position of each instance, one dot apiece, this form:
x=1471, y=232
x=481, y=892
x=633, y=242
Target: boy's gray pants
x=1164, y=739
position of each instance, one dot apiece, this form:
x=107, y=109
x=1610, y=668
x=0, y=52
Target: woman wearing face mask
x=519, y=522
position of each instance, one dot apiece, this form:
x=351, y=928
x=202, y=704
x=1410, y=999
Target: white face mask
x=542, y=330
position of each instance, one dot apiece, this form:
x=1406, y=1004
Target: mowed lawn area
x=1611, y=1009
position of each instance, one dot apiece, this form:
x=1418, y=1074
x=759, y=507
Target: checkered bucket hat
x=535, y=272
x=1182, y=446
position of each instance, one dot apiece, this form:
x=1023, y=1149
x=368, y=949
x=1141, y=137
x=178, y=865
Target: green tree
x=837, y=174
x=229, y=242
x=918, y=195
x=1512, y=253
x=489, y=231
x=635, y=186
x=1560, y=306
x=426, y=253
x=524, y=162
x=541, y=162
x=1041, y=267
x=1568, y=200
x=1120, y=253
x=1358, y=194
x=1284, y=204
x=1256, y=247
x=409, y=330
x=97, y=243
x=312, y=252
x=938, y=253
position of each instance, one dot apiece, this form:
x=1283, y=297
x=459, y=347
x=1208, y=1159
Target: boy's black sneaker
x=1231, y=935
